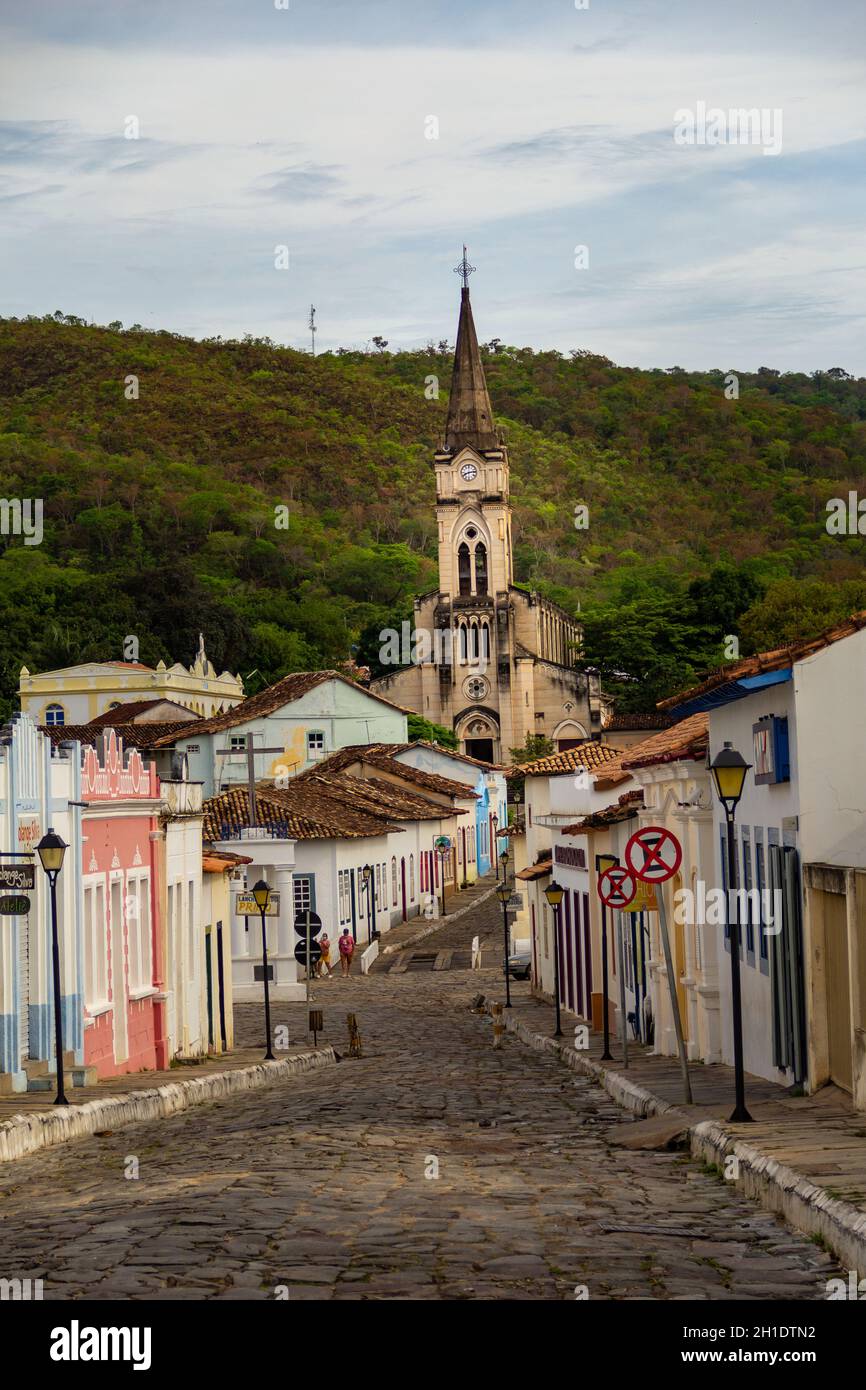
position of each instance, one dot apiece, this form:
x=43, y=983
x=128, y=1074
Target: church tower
x=501, y=664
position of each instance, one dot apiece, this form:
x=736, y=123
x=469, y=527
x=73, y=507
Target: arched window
x=55, y=715
x=393, y=882
x=462, y=641
x=411, y=878
x=473, y=645
x=464, y=569
x=485, y=641
x=480, y=569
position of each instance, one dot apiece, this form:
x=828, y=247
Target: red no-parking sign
x=617, y=886
x=653, y=854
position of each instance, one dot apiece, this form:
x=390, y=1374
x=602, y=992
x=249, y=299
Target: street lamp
x=729, y=770
x=51, y=850
x=367, y=875
x=503, y=893
x=553, y=892
x=262, y=896
x=503, y=859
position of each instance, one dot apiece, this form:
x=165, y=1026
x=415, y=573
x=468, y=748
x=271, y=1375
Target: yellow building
x=77, y=694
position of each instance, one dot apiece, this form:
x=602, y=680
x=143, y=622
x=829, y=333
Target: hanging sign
x=14, y=907
x=644, y=900
x=246, y=906
x=20, y=877
x=653, y=854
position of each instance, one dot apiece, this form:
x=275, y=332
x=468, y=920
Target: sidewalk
x=804, y=1157
x=29, y=1120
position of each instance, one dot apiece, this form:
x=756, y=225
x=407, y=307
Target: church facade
x=493, y=661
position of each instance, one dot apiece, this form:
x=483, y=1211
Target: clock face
x=469, y=472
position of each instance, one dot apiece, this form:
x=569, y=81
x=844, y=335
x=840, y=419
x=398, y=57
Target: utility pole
x=312, y=327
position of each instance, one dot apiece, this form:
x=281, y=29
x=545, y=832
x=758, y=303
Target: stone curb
x=804, y=1205
x=438, y=924
x=41, y=1129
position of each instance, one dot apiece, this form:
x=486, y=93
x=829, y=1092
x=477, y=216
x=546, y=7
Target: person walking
x=347, y=950
x=325, y=958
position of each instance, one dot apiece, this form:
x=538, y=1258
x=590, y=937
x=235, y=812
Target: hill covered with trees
x=283, y=504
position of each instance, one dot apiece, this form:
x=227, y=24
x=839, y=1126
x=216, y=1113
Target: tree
x=536, y=746
x=425, y=729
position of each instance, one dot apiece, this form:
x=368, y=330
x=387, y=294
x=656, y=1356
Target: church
x=498, y=662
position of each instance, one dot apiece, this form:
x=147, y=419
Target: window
x=749, y=914
x=96, y=928
x=138, y=934
x=302, y=893
x=480, y=569
x=393, y=882
x=411, y=878
x=464, y=569
x=544, y=929
x=378, y=898
x=238, y=742
x=55, y=715
x=315, y=744
x=760, y=884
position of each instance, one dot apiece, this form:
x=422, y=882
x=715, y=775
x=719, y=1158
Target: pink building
x=124, y=1009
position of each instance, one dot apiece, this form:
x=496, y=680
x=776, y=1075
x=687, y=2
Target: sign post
x=308, y=924
x=616, y=887
x=654, y=854
x=603, y=862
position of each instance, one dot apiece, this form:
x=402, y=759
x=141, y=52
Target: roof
x=134, y=709
x=590, y=755
x=284, y=692
x=448, y=753
x=379, y=755
x=656, y=719
x=310, y=818
x=751, y=668
x=133, y=735
x=625, y=809
x=470, y=414
x=536, y=870
x=218, y=861
x=686, y=739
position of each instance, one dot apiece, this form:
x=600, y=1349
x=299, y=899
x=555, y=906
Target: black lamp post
x=51, y=850
x=262, y=895
x=729, y=770
x=553, y=892
x=367, y=875
x=503, y=859
x=503, y=893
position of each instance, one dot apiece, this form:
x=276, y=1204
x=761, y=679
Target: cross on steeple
x=464, y=269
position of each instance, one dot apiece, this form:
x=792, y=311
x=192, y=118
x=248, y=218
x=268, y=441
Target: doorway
x=480, y=748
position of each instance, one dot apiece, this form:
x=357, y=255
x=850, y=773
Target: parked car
x=520, y=965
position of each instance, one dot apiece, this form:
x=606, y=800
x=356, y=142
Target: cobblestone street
x=326, y=1184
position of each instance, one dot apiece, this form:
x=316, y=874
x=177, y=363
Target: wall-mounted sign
x=29, y=832
x=14, y=907
x=20, y=877
x=246, y=906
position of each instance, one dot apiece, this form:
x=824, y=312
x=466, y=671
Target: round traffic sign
x=617, y=886
x=653, y=854
x=301, y=923
x=301, y=952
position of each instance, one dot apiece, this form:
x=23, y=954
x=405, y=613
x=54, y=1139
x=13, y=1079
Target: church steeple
x=470, y=414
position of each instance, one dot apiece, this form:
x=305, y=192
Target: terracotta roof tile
x=591, y=755
x=126, y=713
x=654, y=720
x=764, y=662
x=133, y=735
x=626, y=808
x=685, y=740
x=379, y=755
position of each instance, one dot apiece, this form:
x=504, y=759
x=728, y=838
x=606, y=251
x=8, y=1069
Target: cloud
x=303, y=181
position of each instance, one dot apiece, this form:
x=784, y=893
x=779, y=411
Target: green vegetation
x=425, y=729
x=160, y=512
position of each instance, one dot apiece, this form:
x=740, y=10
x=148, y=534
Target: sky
x=553, y=128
